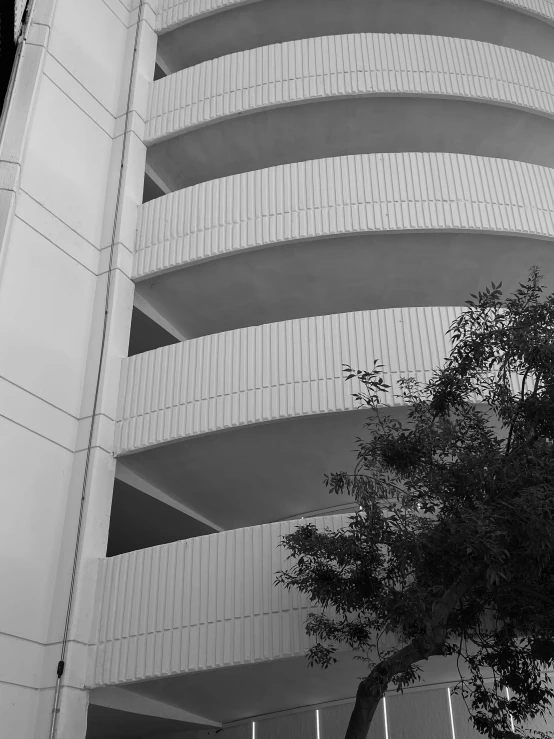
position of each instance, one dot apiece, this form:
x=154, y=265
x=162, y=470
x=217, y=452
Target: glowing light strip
x=385, y=717
x=317, y=723
x=511, y=717
x=253, y=730
x=451, y=714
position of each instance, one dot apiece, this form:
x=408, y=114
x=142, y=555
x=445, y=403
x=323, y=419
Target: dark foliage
x=452, y=551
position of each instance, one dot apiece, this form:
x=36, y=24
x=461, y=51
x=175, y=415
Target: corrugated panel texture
x=292, y=726
x=341, y=195
x=543, y=9
x=464, y=727
x=173, y=13
x=278, y=370
x=350, y=65
x=333, y=722
x=460, y=716
x=235, y=732
x=427, y=710
x=176, y=12
x=199, y=604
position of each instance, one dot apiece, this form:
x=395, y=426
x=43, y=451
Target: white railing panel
x=363, y=193
x=199, y=604
x=361, y=64
x=173, y=13
x=270, y=372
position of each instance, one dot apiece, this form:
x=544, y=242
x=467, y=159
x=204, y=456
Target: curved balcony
x=193, y=31
x=242, y=426
x=169, y=618
x=340, y=95
x=336, y=235
x=254, y=620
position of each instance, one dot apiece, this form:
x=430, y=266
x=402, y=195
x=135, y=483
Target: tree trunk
x=373, y=687
x=367, y=700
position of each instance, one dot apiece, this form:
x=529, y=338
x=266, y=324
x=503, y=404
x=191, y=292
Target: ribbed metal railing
x=173, y=13
x=344, y=195
x=361, y=64
x=270, y=372
x=199, y=604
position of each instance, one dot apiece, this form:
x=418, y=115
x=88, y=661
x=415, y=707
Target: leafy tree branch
x=451, y=551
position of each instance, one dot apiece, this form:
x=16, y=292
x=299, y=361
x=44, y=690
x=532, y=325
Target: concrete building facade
x=207, y=208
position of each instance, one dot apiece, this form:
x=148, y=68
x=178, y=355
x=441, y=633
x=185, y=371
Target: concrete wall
x=72, y=153
x=60, y=158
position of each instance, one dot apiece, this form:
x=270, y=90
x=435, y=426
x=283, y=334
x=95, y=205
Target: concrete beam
x=148, y=309
x=163, y=65
x=131, y=478
x=328, y=511
x=125, y=700
x=157, y=180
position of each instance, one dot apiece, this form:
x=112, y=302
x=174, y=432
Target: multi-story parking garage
x=207, y=208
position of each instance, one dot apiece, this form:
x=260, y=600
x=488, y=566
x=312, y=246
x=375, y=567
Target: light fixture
x=511, y=717
x=451, y=714
x=317, y=723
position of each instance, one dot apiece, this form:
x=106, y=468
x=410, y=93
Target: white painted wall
x=59, y=164
x=65, y=136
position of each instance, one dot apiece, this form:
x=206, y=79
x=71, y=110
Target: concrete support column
x=108, y=346
x=61, y=183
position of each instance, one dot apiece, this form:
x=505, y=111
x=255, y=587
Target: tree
x=452, y=549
